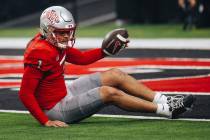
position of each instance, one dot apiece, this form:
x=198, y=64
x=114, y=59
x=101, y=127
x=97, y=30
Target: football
x=115, y=41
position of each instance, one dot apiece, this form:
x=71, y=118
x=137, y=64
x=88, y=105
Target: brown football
x=114, y=41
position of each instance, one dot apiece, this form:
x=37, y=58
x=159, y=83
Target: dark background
x=134, y=11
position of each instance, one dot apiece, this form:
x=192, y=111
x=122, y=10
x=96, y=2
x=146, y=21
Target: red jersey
x=43, y=83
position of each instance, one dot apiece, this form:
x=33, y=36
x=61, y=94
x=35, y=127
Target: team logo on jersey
x=39, y=64
x=57, y=58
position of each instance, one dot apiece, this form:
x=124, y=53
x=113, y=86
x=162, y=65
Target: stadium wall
x=26, y=13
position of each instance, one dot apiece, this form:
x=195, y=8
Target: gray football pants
x=82, y=100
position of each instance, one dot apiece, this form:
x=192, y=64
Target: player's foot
x=179, y=104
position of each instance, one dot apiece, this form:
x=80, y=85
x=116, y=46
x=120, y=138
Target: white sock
x=163, y=109
x=159, y=98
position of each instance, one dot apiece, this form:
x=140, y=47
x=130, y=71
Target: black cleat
x=180, y=104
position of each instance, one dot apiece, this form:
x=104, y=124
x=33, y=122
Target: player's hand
x=55, y=123
x=115, y=41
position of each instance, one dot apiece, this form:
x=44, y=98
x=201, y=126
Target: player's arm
x=75, y=56
x=30, y=81
x=113, y=43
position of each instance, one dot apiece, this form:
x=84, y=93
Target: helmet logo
x=69, y=26
x=52, y=17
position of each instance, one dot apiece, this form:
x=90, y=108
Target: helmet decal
x=52, y=17
x=70, y=26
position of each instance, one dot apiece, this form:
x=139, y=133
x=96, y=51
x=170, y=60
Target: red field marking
x=77, y=70
x=109, y=63
x=192, y=84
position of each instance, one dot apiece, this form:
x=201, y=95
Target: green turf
x=23, y=127
x=135, y=31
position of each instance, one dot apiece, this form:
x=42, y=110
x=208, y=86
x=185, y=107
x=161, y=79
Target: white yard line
x=14, y=111
x=118, y=116
x=147, y=117
x=82, y=43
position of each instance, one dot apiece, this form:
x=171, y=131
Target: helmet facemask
x=61, y=38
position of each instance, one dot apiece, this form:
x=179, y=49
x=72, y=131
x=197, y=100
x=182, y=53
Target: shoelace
x=175, y=102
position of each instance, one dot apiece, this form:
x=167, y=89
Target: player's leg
x=116, y=78
x=70, y=102
x=84, y=84
x=75, y=108
x=84, y=97
x=130, y=85
x=72, y=109
x=125, y=101
x=171, y=109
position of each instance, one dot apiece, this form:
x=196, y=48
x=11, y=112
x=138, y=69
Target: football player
x=54, y=103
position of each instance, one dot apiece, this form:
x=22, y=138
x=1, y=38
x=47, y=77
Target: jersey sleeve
x=75, y=56
x=39, y=58
x=30, y=81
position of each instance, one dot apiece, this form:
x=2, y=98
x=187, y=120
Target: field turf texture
x=23, y=127
x=135, y=31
